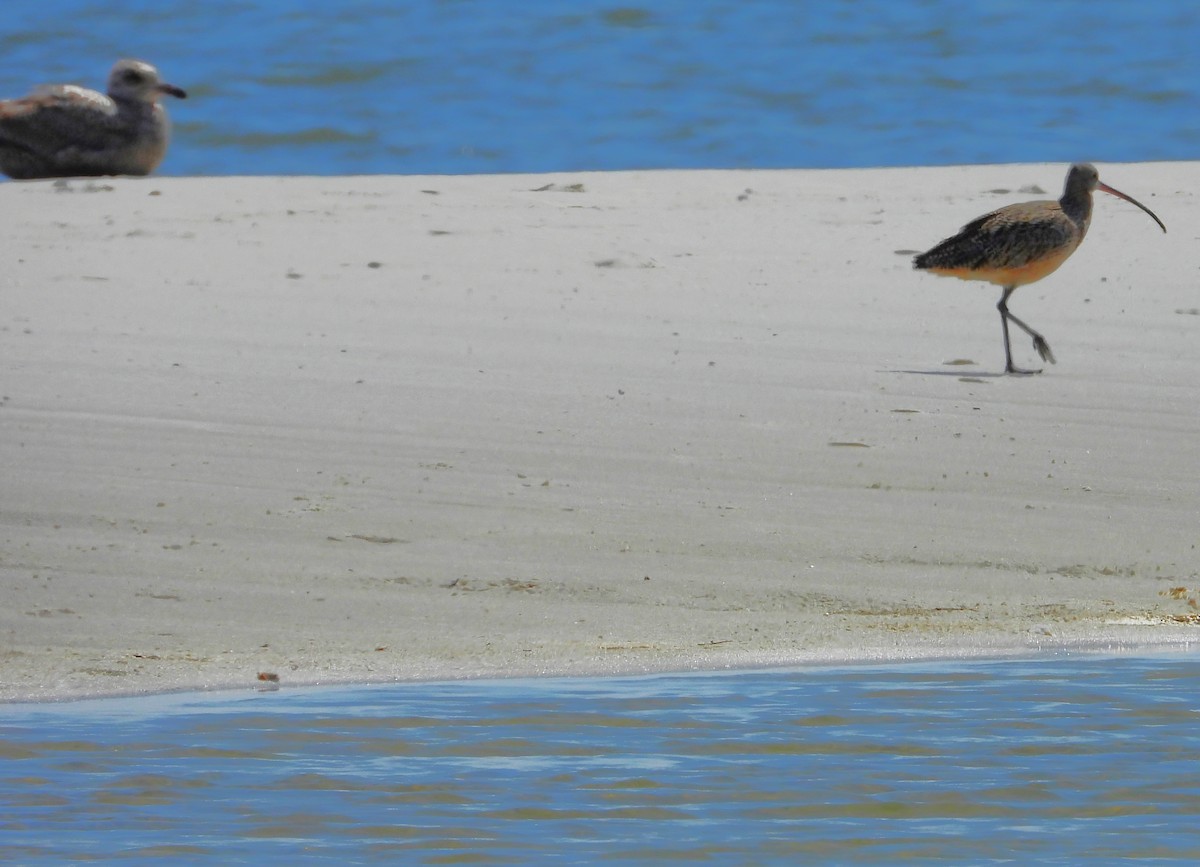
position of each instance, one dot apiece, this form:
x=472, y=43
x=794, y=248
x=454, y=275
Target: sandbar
x=395, y=428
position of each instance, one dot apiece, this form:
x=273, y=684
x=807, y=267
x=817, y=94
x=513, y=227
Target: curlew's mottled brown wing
x=1009, y=238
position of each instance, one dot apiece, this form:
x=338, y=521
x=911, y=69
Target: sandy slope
x=397, y=427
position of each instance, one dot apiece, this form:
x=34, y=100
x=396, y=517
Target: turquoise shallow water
x=1049, y=760
x=460, y=86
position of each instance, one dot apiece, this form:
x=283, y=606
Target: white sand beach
x=376, y=428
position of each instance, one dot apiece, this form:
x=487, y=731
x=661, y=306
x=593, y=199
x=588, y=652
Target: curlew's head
x=136, y=80
x=1083, y=178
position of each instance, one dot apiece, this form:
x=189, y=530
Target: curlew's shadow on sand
x=970, y=375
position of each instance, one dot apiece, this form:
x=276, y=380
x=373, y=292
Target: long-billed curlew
x=68, y=131
x=1022, y=243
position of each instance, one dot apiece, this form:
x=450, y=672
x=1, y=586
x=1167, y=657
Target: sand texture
x=378, y=428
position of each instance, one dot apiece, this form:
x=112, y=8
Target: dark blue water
x=462, y=86
x=1053, y=760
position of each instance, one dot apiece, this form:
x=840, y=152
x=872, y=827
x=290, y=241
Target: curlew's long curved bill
x=1132, y=201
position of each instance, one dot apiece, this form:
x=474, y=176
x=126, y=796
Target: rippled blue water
x=1050, y=760
x=460, y=86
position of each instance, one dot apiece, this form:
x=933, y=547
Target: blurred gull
x=63, y=130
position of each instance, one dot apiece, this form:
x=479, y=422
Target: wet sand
x=376, y=428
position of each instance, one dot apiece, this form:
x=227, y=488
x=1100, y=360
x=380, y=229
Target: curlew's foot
x=1020, y=371
x=1043, y=349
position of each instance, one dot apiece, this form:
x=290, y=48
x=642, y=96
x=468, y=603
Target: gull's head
x=138, y=80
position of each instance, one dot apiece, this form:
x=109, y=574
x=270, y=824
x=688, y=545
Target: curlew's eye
x=132, y=76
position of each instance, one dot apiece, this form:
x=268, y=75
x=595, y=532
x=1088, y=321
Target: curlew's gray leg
x=1039, y=342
